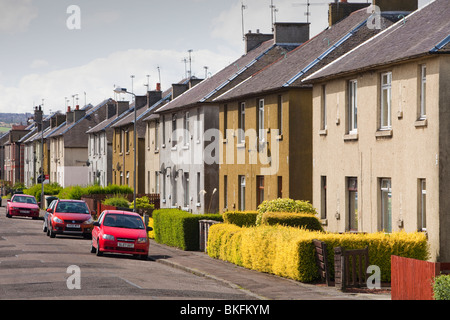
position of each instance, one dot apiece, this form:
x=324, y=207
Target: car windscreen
x=72, y=207
x=23, y=199
x=123, y=221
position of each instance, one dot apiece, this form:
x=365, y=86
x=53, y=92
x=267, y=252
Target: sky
x=58, y=53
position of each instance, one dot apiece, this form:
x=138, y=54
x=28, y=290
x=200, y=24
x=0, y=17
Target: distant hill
x=8, y=119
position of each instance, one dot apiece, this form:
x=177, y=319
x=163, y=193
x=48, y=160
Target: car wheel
x=51, y=233
x=8, y=215
x=44, y=227
x=98, y=252
x=93, y=250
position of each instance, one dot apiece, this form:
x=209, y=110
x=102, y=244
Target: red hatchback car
x=70, y=217
x=22, y=205
x=120, y=232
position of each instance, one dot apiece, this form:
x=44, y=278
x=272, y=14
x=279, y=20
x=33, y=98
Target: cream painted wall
x=406, y=154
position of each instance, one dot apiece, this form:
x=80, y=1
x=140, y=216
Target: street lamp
x=119, y=91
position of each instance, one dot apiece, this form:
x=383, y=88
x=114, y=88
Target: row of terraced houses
x=355, y=120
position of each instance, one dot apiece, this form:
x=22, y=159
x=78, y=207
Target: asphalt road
x=34, y=266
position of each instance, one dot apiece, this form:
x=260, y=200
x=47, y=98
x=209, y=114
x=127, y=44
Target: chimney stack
x=78, y=114
x=122, y=106
x=291, y=33
x=38, y=114
x=341, y=10
x=253, y=40
x=69, y=115
x=397, y=5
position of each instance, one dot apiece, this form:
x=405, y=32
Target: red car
x=120, y=232
x=71, y=217
x=22, y=205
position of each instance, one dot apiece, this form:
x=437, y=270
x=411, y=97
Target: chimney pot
x=158, y=87
x=68, y=109
x=77, y=107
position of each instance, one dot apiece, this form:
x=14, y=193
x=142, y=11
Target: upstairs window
x=352, y=106
x=385, y=110
x=423, y=92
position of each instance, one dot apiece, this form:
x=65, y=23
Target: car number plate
x=125, y=245
x=24, y=211
x=73, y=226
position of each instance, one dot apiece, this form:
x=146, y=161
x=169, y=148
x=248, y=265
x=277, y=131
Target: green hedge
x=50, y=189
x=241, y=218
x=441, y=287
x=76, y=192
x=289, y=252
x=300, y=220
x=178, y=228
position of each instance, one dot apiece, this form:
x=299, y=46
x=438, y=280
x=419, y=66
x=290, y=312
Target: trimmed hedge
x=441, y=287
x=178, y=228
x=284, y=205
x=289, y=252
x=299, y=220
x=240, y=218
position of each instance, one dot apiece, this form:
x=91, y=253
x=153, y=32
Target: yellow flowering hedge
x=289, y=252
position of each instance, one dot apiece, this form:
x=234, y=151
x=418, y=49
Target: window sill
x=185, y=147
x=324, y=222
x=225, y=141
x=421, y=123
x=351, y=137
x=174, y=148
x=323, y=132
x=240, y=145
x=198, y=204
x=280, y=137
x=387, y=133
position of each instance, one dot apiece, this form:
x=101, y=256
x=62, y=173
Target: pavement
x=258, y=285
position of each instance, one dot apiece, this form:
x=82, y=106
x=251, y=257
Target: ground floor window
x=386, y=205
x=242, y=193
x=422, y=205
x=352, y=189
x=259, y=190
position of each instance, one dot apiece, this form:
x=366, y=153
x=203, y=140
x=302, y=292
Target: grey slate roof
x=320, y=50
x=424, y=32
x=231, y=75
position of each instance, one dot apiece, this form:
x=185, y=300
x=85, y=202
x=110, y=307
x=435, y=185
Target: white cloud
x=16, y=16
x=38, y=63
x=99, y=77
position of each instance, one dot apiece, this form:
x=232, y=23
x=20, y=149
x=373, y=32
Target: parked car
x=71, y=217
x=121, y=232
x=22, y=205
x=50, y=209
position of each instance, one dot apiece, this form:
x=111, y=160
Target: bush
x=284, y=205
x=143, y=204
x=76, y=192
x=151, y=234
x=301, y=220
x=441, y=287
x=289, y=252
x=50, y=189
x=179, y=228
x=241, y=218
x=117, y=201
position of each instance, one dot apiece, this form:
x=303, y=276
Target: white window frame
x=422, y=208
x=242, y=193
x=186, y=132
x=386, y=87
x=241, y=131
x=423, y=91
x=386, y=189
x=261, y=130
x=353, y=106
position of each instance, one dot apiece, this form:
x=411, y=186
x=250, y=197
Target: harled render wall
x=412, y=150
